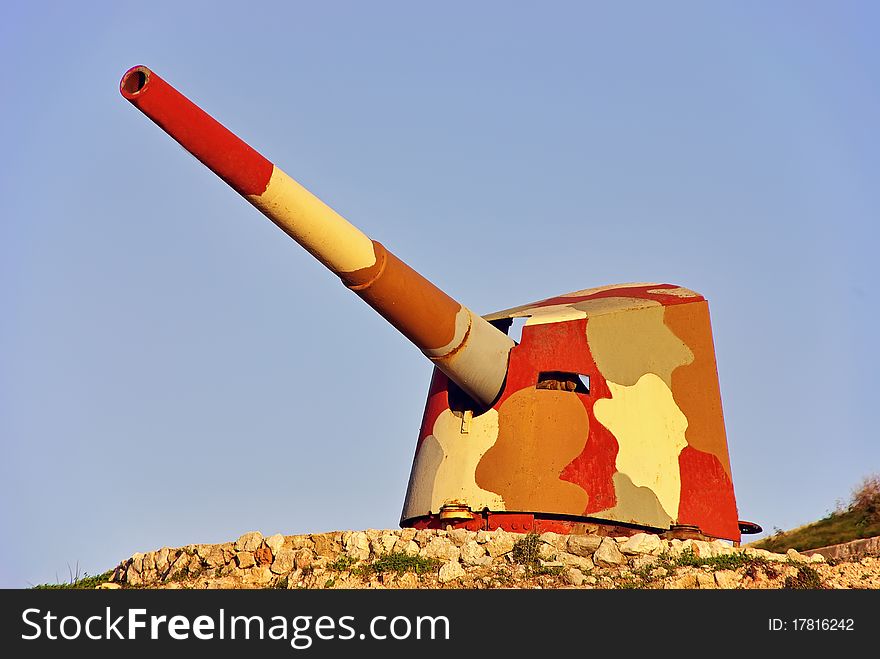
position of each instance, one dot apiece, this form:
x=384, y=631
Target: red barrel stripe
x=243, y=168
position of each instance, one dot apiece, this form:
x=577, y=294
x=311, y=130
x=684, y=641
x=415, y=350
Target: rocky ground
x=406, y=558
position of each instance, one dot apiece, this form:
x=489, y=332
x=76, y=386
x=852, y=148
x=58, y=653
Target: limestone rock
x=484, y=536
x=285, y=560
x=385, y=543
x=678, y=547
x=409, y=547
x=162, y=560
x=555, y=540
x=303, y=558
x=451, y=571
x=547, y=552
x=727, y=579
x=275, y=543
x=571, y=560
x=584, y=545
x=245, y=559
x=721, y=548
x=759, y=580
x=258, y=576
x=202, y=551
x=136, y=562
x=607, y=555
x=294, y=579
x=407, y=535
x=685, y=581
x=817, y=558
x=408, y=580
x=703, y=549
x=424, y=536
x=641, y=543
x=299, y=541
x=500, y=543
x=473, y=553
x=249, y=541
x=223, y=583
x=376, y=548
x=215, y=557
x=327, y=544
x=796, y=556
x=108, y=586
x=150, y=577
x=442, y=549
x=460, y=536
x=177, y=562
x=644, y=561
x=706, y=580
x=179, y=566
x=358, y=546
x=573, y=577
x=751, y=551
x=766, y=555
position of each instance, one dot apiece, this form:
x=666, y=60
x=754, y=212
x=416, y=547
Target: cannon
x=605, y=416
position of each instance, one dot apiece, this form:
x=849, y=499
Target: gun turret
x=605, y=417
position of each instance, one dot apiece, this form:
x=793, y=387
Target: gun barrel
x=471, y=351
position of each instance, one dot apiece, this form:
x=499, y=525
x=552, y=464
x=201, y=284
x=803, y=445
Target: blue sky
x=174, y=370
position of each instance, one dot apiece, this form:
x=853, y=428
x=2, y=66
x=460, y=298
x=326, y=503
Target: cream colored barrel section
x=473, y=352
x=323, y=232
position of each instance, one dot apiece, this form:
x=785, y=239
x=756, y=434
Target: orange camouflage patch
x=540, y=432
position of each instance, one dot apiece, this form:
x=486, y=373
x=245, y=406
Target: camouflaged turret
x=604, y=416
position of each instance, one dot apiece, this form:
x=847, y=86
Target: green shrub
x=806, y=579
x=525, y=550
x=399, y=563
x=343, y=563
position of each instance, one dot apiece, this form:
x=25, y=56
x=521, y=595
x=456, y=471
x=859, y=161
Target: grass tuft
x=398, y=563
x=84, y=582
